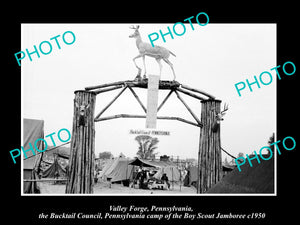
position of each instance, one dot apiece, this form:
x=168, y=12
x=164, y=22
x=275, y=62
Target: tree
x=232, y=162
x=147, y=145
x=105, y=155
x=240, y=155
x=271, y=141
x=226, y=163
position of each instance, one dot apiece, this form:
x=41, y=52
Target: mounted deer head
x=82, y=112
x=146, y=49
x=219, y=117
x=82, y=108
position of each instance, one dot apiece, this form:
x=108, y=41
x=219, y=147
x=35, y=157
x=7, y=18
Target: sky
x=212, y=58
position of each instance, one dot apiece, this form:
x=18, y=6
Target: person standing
x=165, y=178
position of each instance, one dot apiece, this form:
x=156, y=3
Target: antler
x=133, y=27
x=225, y=109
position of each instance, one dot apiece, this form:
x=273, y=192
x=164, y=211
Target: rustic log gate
x=81, y=170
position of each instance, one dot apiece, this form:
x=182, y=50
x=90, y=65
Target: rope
x=228, y=153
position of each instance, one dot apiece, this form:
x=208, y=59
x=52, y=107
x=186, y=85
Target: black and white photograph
x=99, y=89
x=156, y=120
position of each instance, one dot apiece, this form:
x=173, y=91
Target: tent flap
x=55, y=170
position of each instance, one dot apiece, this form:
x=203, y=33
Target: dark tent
x=151, y=163
x=55, y=170
x=167, y=167
x=142, y=162
x=32, y=130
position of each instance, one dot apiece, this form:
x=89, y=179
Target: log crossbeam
x=188, y=108
x=164, y=101
x=144, y=116
x=163, y=85
x=110, y=103
x=138, y=99
x=174, y=86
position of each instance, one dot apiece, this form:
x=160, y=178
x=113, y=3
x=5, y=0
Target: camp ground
x=47, y=172
x=126, y=171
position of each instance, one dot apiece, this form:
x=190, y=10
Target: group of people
x=144, y=176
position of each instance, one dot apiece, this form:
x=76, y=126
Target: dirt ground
x=119, y=189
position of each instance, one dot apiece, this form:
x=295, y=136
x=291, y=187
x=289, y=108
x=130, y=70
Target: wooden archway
x=81, y=174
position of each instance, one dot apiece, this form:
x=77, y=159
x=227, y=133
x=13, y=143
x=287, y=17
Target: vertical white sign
x=152, y=101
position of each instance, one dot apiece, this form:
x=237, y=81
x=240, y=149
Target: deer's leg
x=139, y=56
x=160, y=65
x=171, y=65
x=138, y=76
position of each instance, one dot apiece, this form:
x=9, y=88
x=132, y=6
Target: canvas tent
x=122, y=171
x=51, y=159
x=117, y=170
x=32, y=130
x=167, y=167
x=55, y=170
x=110, y=168
x=106, y=167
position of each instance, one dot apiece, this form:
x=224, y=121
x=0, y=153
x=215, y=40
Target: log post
x=81, y=162
x=209, y=155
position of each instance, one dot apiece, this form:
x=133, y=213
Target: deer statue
x=219, y=118
x=145, y=49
